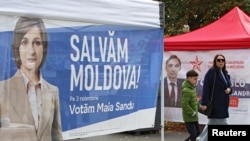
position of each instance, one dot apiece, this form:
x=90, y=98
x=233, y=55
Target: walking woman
x=216, y=81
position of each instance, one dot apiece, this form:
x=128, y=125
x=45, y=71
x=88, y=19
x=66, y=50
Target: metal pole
x=162, y=102
x=162, y=19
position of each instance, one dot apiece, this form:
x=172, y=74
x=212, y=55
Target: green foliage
x=197, y=13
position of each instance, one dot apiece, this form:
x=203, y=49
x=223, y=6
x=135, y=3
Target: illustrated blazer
x=166, y=93
x=16, y=106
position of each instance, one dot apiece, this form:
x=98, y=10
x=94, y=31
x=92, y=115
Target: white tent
x=146, y=14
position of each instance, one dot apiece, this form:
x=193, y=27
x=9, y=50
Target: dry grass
x=177, y=126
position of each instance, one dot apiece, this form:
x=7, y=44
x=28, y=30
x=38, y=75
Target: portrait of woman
x=27, y=97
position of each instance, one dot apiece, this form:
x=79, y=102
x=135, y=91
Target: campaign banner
x=237, y=65
x=107, y=76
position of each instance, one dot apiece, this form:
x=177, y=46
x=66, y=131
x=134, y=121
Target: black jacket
x=220, y=98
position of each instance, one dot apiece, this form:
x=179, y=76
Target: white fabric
x=35, y=97
x=33, y=103
x=204, y=134
x=122, y=12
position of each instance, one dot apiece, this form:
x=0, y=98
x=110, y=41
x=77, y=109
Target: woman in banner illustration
x=216, y=82
x=28, y=98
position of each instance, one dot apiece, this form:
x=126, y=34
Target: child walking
x=189, y=105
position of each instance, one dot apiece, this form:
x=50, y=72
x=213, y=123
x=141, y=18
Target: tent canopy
x=124, y=12
x=231, y=31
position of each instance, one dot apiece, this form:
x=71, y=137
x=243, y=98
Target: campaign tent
x=103, y=59
x=231, y=31
x=230, y=36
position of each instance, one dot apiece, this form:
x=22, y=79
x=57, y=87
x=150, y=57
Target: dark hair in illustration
x=214, y=62
x=173, y=57
x=23, y=25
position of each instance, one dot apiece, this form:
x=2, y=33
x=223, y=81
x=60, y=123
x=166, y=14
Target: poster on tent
x=106, y=76
x=238, y=65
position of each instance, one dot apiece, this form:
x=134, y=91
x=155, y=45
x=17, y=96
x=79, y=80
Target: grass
x=177, y=126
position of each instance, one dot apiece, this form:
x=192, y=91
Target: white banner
x=99, y=72
x=238, y=65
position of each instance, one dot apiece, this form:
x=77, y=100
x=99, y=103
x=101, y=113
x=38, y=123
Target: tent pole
x=162, y=100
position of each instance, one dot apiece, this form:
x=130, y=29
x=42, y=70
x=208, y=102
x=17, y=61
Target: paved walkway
x=144, y=136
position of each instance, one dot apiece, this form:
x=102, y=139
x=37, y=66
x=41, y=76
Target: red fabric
x=231, y=31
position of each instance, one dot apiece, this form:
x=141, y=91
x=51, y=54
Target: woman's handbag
x=208, y=111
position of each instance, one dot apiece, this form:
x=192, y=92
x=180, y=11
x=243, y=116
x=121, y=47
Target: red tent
x=231, y=31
